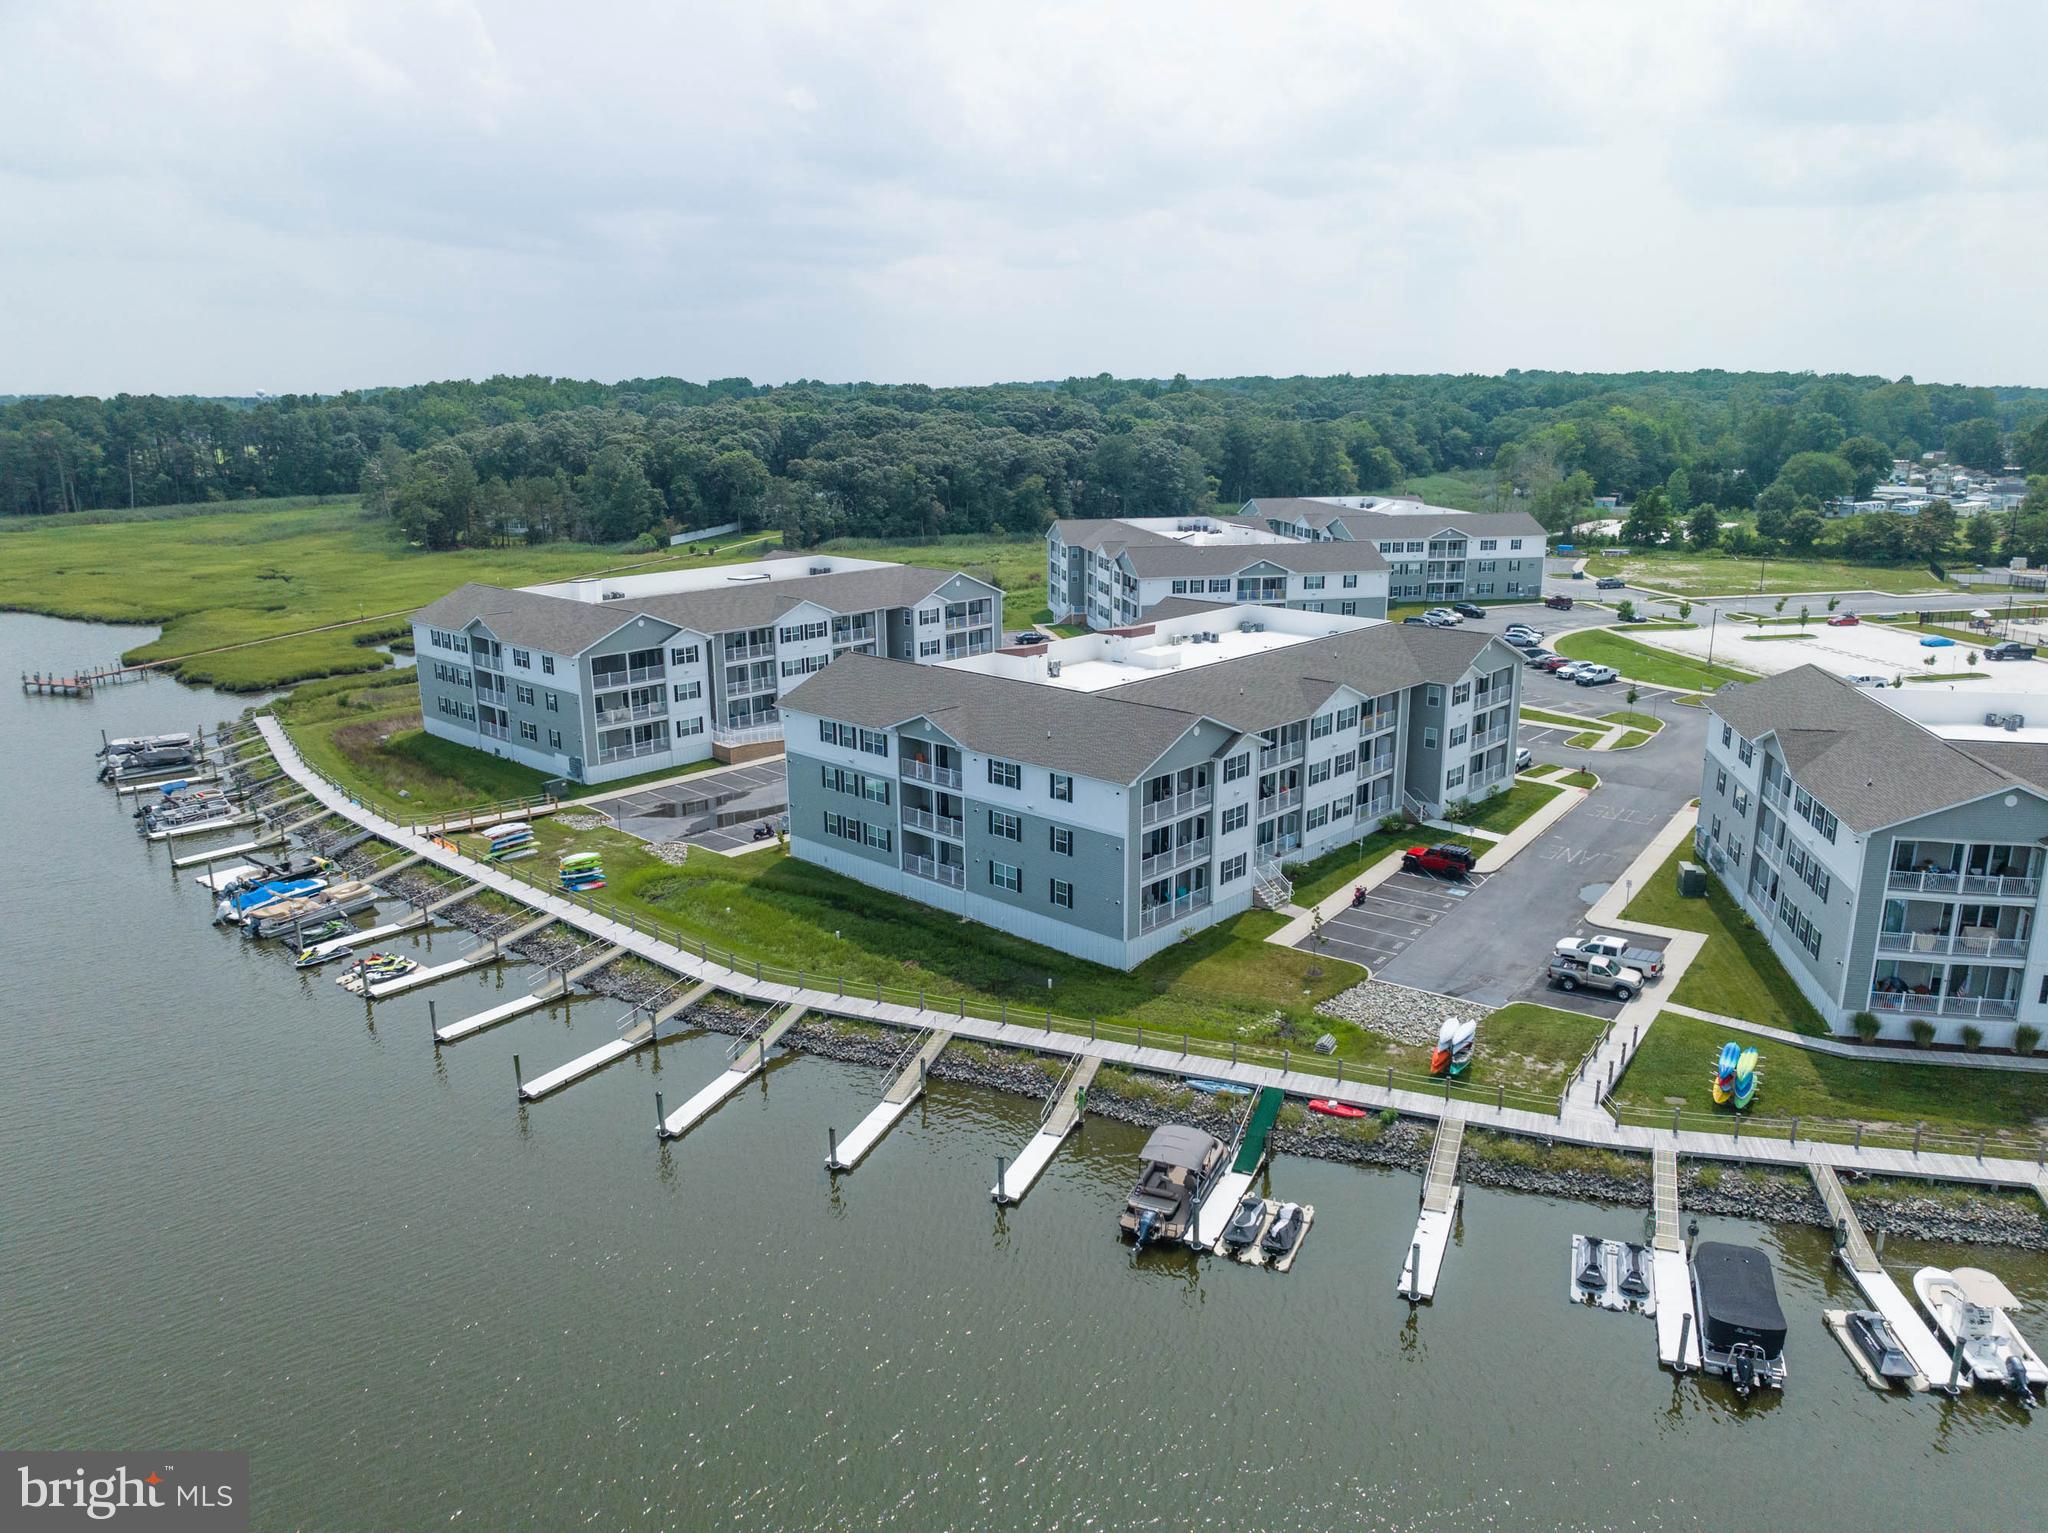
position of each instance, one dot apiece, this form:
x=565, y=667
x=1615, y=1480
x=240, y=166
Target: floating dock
x=507, y=1010
x=751, y=1057
x=1062, y=1113
x=1678, y=1322
x=637, y=1033
x=1440, y=1193
x=434, y=973
x=241, y=849
x=195, y=779
x=204, y=827
x=905, y=1089
x=1220, y=1199
x=1852, y=1250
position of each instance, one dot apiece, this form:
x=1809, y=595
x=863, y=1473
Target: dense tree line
x=540, y=458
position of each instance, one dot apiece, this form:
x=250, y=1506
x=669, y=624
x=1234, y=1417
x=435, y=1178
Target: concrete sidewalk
x=1842, y=1048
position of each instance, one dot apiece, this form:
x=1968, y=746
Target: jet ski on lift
x=1246, y=1224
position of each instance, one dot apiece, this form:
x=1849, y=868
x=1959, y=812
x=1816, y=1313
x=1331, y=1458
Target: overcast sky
x=223, y=198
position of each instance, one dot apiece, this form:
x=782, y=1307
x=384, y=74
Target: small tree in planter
x=2026, y=1039
x=1633, y=694
x=1973, y=1037
x=1625, y=610
x=1805, y=616
x=1867, y=1026
x=1684, y=611
x=1923, y=1032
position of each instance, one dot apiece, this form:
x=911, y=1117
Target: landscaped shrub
x=1923, y=1031
x=1973, y=1037
x=1867, y=1026
x=2026, y=1039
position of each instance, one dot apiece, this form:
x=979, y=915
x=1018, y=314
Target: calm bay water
x=236, y=1211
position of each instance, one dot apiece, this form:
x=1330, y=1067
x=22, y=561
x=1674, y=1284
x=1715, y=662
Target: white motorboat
x=1971, y=1306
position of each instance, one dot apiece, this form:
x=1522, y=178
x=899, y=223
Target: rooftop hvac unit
x=614, y=596
x=2014, y=722
x=1247, y=626
x=821, y=569
x=1993, y=720
x=1052, y=667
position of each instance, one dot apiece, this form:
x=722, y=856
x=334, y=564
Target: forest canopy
x=540, y=459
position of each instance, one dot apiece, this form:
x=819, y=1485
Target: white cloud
x=225, y=197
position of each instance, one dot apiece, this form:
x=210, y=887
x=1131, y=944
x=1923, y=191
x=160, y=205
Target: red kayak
x=1335, y=1109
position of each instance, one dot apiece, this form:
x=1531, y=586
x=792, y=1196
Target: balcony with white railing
x=492, y=728
x=1888, y=1003
x=1777, y=794
x=1378, y=808
x=738, y=652
x=1271, y=756
x=923, y=771
x=1279, y=803
x=625, y=676
x=1949, y=881
x=1174, y=807
x=947, y=873
x=631, y=752
x=633, y=713
x=1152, y=917
x=1160, y=864
x=1492, y=737
x=1963, y=944
x=746, y=734
x=937, y=824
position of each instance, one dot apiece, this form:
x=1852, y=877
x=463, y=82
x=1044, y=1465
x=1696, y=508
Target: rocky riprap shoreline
x=1773, y=1196
x=1407, y=1016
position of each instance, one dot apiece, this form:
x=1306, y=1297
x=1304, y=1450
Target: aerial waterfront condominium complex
x=599, y=679
x=1108, y=793
x=1432, y=553
x=1889, y=843
x=1110, y=573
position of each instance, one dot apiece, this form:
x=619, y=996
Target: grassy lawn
x=1504, y=811
x=1577, y=780
x=1639, y=662
x=1643, y=721
x=1736, y=973
x=1541, y=1039
x=1674, y=1065
x=1226, y=982
x=1717, y=574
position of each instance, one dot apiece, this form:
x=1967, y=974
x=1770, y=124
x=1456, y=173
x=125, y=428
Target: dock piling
x=1916, y=1136
x=831, y=1140
x=660, y=1116
x=1684, y=1336
x=1955, y=1366
x=1001, y=1166
x=518, y=1075
x=433, y=1027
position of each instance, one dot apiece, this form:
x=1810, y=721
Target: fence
x=1737, y=1127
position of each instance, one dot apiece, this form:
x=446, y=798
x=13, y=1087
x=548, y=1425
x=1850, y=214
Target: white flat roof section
x=1868, y=649
x=719, y=577
x=1094, y=661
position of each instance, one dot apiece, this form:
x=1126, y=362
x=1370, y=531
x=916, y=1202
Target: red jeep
x=1561, y=603
x=1448, y=860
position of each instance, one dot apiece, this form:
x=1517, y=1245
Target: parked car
x=1557, y=663
x=1611, y=583
x=1585, y=949
x=2011, y=649
x=1524, y=758
x=1598, y=974
x=1448, y=860
x=1633, y=616
x=1028, y=637
x=1569, y=670
x=1845, y=620
x=1561, y=603
x=1534, y=633
x=1445, y=615
x=1868, y=681
x=1418, y=620
x=1469, y=609
x=1537, y=657
x=1521, y=641
x=1595, y=675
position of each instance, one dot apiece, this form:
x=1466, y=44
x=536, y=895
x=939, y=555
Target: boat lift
x=474, y=959
x=1061, y=1116
x=912, y=1067
x=1440, y=1194
x=1248, y=1154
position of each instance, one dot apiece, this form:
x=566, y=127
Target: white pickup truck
x=1596, y=974
x=1649, y=960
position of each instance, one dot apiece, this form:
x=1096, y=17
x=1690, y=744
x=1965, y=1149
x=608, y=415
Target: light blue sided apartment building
x=1890, y=844
x=594, y=680
x=1110, y=793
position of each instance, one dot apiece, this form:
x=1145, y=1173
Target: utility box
x=1692, y=880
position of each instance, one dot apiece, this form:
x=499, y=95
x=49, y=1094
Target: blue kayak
x=1223, y=1088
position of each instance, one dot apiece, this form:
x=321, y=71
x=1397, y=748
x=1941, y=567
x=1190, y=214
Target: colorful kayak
x=1220, y=1088
x=1335, y=1109
x=1455, y=1043
x=1746, y=1078
x=1724, y=1072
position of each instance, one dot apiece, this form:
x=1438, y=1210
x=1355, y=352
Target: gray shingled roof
x=564, y=626
x=1870, y=766
x=1089, y=734
x=1228, y=558
x=1107, y=531
x=1278, y=686
x=552, y=623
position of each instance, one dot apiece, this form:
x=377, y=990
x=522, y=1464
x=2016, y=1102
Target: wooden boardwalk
x=1595, y=1128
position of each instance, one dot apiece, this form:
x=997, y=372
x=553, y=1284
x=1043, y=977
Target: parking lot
x=1394, y=915
x=1592, y=1003
x=715, y=810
